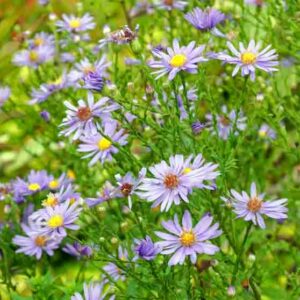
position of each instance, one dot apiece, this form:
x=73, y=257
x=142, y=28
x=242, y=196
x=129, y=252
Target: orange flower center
x=254, y=204
x=126, y=189
x=187, y=238
x=84, y=113
x=40, y=240
x=171, y=181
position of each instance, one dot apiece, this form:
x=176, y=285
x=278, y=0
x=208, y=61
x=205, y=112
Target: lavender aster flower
x=93, y=291
x=78, y=250
x=188, y=241
x=101, y=148
x=81, y=120
x=4, y=94
x=265, y=131
x=104, y=195
x=112, y=269
x=255, y=2
x=73, y=24
x=45, y=115
x=35, y=243
x=55, y=220
x=128, y=185
x=33, y=57
x=42, y=39
x=177, y=59
x=146, y=249
x=171, y=4
x=93, y=81
x=173, y=182
x=197, y=127
x=250, y=58
x=206, y=19
x=251, y=208
x=226, y=123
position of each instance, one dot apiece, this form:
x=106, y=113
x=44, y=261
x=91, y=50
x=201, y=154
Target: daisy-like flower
x=73, y=24
x=227, y=122
x=177, y=59
x=81, y=120
x=93, y=291
x=47, y=89
x=85, y=67
x=197, y=127
x=104, y=195
x=55, y=220
x=265, y=132
x=255, y=2
x=206, y=19
x=42, y=39
x=78, y=250
x=36, y=182
x=171, y=4
x=128, y=185
x=250, y=58
x=188, y=241
x=34, y=243
x=252, y=207
x=174, y=181
x=146, y=249
x=57, y=183
x=34, y=57
x=4, y=94
x=113, y=270
x=101, y=148
x=93, y=81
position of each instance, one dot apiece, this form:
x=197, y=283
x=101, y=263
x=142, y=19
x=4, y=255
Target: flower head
x=206, y=19
x=250, y=58
x=146, y=249
x=78, y=250
x=82, y=120
x=252, y=207
x=171, y=4
x=100, y=147
x=4, y=94
x=177, y=59
x=265, y=131
x=35, y=242
x=42, y=39
x=93, y=291
x=188, y=241
x=174, y=181
x=104, y=195
x=73, y=24
x=227, y=122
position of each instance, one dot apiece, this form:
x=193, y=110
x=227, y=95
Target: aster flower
x=177, y=59
x=252, y=207
x=188, y=241
x=93, y=291
x=81, y=120
x=4, y=94
x=112, y=269
x=251, y=58
x=73, y=24
x=140, y=8
x=197, y=127
x=55, y=220
x=34, y=57
x=35, y=243
x=36, y=182
x=45, y=115
x=146, y=249
x=42, y=39
x=172, y=183
x=47, y=89
x=78, y=250
x=104, y=195
x=128, y=185
x=227, y=122
x=206, y=19
x=101, y=148
x=85, y=67
x=57, y=183
x=171, y=4
x=255, y=2
x=93, y=81
x=67, y=57
x=121, y=36
x=265, y=131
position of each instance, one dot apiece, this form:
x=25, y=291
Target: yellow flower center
x=56, y=221
x=50, y=201
x=53, y=184
x=75, y=23
x=34, y=187
x=40, y=240
x=71, y=174
x=104, y=144
x=248, y=58
x=38, y=42
x=262, y=133
x=33, y=56
x=178, y=60
x=187, y=170
x=88, y=70
x=72, y=201
x=187, y=238
x=254, y=204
